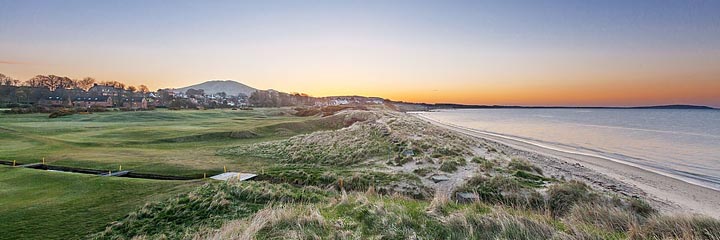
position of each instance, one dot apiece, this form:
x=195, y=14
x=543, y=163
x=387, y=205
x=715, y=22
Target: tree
x=131, y=88
x=51, y=82
x=8, y=81
x=35, y=82
x=85, y=83
x=195, y=92
x=114, y=84
x=143, y=89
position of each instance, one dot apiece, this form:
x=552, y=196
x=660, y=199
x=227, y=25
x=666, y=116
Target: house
x=135, y=103
x=55, y=101
x=94, y=101
x=102, y=90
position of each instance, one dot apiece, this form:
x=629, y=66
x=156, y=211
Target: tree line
x=53, y=82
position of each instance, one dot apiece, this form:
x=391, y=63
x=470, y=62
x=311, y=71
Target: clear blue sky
x=492, y=52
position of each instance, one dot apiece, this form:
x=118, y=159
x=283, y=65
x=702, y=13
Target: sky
x=559, y=52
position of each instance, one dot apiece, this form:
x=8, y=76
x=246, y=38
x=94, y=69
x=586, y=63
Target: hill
x=215, y=86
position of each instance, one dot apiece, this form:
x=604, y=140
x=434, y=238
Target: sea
x=679, y=143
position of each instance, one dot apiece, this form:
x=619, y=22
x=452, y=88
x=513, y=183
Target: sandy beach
x=668, y=194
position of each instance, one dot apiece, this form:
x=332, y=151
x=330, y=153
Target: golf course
x=38, y=203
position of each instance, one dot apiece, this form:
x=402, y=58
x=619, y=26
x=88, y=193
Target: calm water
x=684, y=144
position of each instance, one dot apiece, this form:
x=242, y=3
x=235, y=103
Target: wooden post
x=121, y=167
x=224, y=168
x=13, y=163
x=238, y=176
x=109, y=172
x=340, y=182
x=204, y=175
x=43, y=161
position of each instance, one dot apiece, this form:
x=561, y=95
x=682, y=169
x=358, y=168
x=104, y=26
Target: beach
x=668, y=194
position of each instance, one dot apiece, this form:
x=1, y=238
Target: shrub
x=61, y=112
x=306, y=112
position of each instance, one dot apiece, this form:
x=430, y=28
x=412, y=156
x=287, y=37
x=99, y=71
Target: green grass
x=207, y=207
x=160, y=142
x=38, y=204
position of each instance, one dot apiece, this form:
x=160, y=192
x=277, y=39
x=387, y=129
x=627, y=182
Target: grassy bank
x=53, y=205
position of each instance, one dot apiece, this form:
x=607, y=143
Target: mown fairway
x=180, y=143
x=38, y=204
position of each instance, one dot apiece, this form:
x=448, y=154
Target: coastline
x=668, y=194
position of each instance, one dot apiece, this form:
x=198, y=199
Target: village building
x=55, y=101
x=135, y=103
x=102, y=90
x=95, y=101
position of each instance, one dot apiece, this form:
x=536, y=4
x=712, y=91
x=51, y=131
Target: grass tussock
x=524, y=165
x=366, y=217
x=504, y=190
x=209, y=205
x=678, y=227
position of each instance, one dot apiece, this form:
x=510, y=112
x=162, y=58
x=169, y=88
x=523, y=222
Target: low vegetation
x=355, y=174
x=53, y=205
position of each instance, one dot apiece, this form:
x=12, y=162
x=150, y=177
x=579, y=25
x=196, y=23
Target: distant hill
x=675, y=107
x=215, y=86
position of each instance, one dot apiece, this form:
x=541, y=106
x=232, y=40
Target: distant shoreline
x=440, y=106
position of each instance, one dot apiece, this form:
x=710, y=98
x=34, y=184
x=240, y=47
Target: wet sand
x=668, y=194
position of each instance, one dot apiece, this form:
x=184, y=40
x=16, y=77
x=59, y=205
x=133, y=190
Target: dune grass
x=53, y=205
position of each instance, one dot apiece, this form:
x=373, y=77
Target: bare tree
x=8, y=81
x=85, y=83
x=114, y=84
x=36, y=81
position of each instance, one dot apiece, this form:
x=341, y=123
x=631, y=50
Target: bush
x=306, y=112
x=61, y=112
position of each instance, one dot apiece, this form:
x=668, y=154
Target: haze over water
x=684, y=144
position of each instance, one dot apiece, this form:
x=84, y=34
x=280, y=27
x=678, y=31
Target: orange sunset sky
x=572, y=53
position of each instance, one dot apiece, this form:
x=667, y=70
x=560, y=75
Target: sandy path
x=670, y=194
